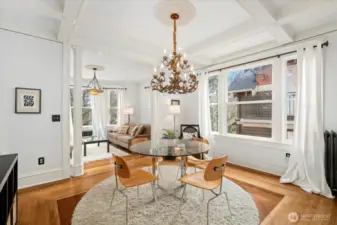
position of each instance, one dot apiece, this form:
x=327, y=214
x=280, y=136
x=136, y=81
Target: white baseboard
x=33, y=179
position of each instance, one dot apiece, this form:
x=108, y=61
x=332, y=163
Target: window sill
x=257, y=141
x=87, y=128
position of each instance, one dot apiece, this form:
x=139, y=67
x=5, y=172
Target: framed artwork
x=175, y=102
x=27, y=101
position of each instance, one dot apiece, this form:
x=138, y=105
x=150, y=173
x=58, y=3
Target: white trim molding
x=33, y=179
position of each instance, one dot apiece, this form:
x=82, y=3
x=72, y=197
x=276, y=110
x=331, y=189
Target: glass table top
x=93, y=138
x=174, y=147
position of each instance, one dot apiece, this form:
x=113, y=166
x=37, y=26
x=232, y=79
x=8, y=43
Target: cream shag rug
x=93, y=209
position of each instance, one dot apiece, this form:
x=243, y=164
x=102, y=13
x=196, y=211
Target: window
x=86, y=107
x=213, y=101
x=256, y=100
x=291, y=89
x=249, y=101
x=113, y=107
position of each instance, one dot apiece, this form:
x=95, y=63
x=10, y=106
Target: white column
x=77, y=166
x=65, y=110
x=154, y=119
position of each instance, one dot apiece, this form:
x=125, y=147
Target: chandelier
x=182, y=79
x=94, y=88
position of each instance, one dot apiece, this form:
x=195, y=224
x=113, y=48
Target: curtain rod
x=104, y=88
x=265, y=58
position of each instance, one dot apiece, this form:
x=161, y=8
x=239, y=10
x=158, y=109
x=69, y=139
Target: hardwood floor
x=54, y=203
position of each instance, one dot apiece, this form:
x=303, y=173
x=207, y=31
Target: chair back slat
x=139, y=140
x=122, y=169
x=213, y=169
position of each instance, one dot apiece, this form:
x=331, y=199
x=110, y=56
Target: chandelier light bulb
x=164, y=51
x=185, y=55
x=155, y=69
x=192, y=68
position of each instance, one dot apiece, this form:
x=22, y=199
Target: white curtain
x=204, y=114
x=155, y=118
x=306, y=165
x=100, y=114
x=121, y=104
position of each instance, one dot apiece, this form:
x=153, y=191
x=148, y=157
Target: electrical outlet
x=56, y=118
x=41, y=160
x=287, y=155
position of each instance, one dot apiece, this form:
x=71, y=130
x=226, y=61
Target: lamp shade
x=128, y=111
x=175, y=109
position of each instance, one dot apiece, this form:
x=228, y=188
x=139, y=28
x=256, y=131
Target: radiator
x=330, y=138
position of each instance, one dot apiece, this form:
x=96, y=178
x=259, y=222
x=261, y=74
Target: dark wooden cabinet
x=9, y=189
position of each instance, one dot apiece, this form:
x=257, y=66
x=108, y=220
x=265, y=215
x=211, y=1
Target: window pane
x=214, y=117
x=86, y=117
x=291, y=84
x=250, y=84
x=113, y=99
x=213, y=89
x=113, y=116
x=86, y=99
x=250, y=119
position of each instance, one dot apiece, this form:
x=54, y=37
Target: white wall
x=330, y=83
x=32, y=63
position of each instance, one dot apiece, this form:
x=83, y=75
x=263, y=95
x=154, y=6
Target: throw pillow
x=190, y=135
x=140, y=130
x=134, y=131
x=123, y=129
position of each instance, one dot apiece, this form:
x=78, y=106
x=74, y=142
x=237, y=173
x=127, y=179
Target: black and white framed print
x=27, y=100
x=175, y=102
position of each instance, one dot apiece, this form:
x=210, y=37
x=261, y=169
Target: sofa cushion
x=147, y=129
x=140, y=130
x=131, y=126
x=123, y=129
x=124, y=138
x=134, y=131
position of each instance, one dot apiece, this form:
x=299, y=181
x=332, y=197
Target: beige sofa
x=124, y=140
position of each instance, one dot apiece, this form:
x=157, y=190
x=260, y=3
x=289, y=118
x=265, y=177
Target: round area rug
x=94, y=207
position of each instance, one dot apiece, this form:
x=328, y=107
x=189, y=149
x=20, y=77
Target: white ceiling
x=131, y=40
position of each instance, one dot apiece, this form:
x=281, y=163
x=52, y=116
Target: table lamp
x=174, y=110
x=128, y=111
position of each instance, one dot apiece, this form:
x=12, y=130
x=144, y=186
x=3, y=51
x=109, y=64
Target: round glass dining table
x=169, y=147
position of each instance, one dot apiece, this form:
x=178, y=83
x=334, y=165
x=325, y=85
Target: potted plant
x=168, y=134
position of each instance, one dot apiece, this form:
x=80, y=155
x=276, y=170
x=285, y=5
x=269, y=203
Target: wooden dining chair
x=131, y=178
x=194, y=162
x=209, y=179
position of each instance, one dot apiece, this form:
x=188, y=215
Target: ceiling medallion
x=182, y=79
x=94, y=88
